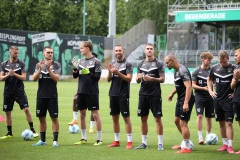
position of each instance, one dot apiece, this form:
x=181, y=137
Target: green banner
x=207, y=16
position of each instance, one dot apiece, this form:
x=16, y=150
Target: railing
x=189, y=58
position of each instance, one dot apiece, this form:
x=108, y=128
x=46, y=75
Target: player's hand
x=236, y=74
x=41, y=63
x=85, y=71
x=140, y=76
x=110, y=67
x=185, y=107
x=170, y=97
x=205, y=88
x=48, y=64
x=75, y=62
x=213, y=94
x=147, y=78
x=11, y=72
x=230, y=96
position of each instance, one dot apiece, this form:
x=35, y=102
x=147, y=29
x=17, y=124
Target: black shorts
x=88, y=101
x=44, y=104
x=119, y=104
x=19, y=96
x=224, y=111
x=207, y=105
x=236, y=107
x=185, y=116
x=150, y=102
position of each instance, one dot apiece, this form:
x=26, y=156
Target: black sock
x=31, y=127
x=9, y=129
x=43, y=136
x=55, y=136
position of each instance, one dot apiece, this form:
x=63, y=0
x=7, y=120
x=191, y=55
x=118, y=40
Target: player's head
x=171, y=61
x=237, y=56
x=149, y=50
x=119, y=52
x=13, y=52
x=86, y=47
x=223, y=58
x=206, y=58
x=48, y=53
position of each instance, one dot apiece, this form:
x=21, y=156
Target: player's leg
x=41, y=112
x=156, y=107
x=184, y=118
x=237, y=114
x=82, y=106
x=75, y=111
x=114, y=112
x=7, y=108
x=97, y=119
x=92, y=123
x=229, y=116
x=143, y=111
x=222, y=126
x=199, y=110
x=53, y=112
x=209, y=114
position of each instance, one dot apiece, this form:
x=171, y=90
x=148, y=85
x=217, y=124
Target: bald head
x=171, y=61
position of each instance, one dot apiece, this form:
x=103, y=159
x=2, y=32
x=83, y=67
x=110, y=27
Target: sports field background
x=16, y=148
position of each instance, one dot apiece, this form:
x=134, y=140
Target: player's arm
x=126, y=78
x=235, y=79
x=172, y=94
x=161, y=78
x=55, y=77
x=188, y=92
x=38, y=70
x=3, y=77
x=195, y=86
x=109, y=76
x=21, y=77
x=210, y=90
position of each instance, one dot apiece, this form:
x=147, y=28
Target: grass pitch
x=16, y=148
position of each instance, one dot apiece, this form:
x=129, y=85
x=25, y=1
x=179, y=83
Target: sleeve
x=185, y=75
x=23, y=67
x=57, y=68
x=194, y=75
x=98, y=70
x=37, y=67
x=139, y=65
x=211, y=73
x=129, y=68
x=161, y=67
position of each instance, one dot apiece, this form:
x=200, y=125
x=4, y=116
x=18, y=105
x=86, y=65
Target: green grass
x=16, y=148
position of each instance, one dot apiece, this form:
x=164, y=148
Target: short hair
x=87, y=44
x=47, y=47
x=149, y=44
x=206, y=55
x=237, y=50
x=13, y=48
x=223, y=54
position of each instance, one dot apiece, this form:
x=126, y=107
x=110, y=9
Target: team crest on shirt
x=17, y=64
x=153, y=63
x=90, y=62
x=229, y=69
x=199, y=81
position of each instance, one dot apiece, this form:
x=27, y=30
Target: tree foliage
x=66, y=16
